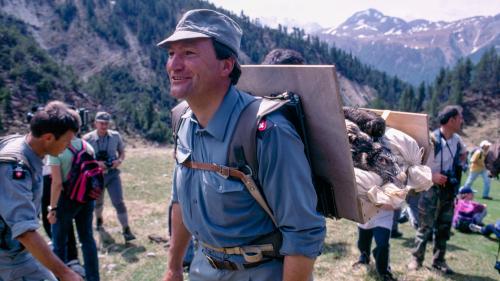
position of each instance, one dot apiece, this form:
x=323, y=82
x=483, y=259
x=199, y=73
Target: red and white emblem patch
x=262, y=125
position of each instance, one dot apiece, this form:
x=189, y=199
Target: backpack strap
x=243, y=146
x=436, y=138
x=242, y=151
x=175, y=115
x=235, y=173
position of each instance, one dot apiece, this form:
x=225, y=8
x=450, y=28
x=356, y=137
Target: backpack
x=242, y=150
x=85, y=180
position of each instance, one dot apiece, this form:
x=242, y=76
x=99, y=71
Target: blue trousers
x=486, y=181
x=82, y=213
x=381, y=251
x=202, y=271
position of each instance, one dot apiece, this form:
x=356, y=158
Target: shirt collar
x=217, y=126
x=35, y=161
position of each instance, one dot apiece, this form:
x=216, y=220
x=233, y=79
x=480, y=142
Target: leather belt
x=229, y=265
x=251, y=253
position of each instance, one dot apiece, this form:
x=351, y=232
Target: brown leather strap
x=222, y=170
x=235, y=173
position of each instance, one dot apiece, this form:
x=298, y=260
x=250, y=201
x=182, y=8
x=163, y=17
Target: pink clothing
x=466, y=210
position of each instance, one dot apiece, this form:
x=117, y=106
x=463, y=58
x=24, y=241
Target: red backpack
x=85, y=180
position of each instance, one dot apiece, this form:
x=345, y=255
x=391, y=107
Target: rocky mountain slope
x=415, y=50
x=109, y=47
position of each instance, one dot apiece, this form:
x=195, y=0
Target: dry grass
x=146, y=176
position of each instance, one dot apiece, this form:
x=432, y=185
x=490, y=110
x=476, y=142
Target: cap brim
x=181, y=35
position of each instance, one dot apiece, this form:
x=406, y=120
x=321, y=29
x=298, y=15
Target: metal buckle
x=225, y=264
x=222, y=170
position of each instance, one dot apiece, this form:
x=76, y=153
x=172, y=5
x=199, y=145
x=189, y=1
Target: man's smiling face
x=192, y=67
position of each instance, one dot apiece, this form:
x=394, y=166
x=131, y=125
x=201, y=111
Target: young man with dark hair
x=219, y=211
x=24, y=254
x=436, y=205
x=62, y=210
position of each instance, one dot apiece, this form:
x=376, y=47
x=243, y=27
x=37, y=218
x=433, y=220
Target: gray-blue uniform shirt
x=221, y=212
x=20, y=201
x=112, y=143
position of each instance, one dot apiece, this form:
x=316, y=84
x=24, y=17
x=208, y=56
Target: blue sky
x=329, y=13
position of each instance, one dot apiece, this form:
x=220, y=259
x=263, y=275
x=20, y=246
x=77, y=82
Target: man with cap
x=24, y=253
x=219, y=211
x=436, y=204
x=110, y=153
x=477, y=167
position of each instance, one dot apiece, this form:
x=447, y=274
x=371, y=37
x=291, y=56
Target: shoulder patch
x=262, y=125
x=19, y=172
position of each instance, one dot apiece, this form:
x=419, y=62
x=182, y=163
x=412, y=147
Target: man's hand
x=116, y=163
x=102, y=165
x=173, y=275
x=36, y=245
x=439, y=179
x=51, y=217
x=70, y=275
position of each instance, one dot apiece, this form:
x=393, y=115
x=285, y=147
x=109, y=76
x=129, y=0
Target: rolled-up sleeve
x=285, y=175
x=16, y=205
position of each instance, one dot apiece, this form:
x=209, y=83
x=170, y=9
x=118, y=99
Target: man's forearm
x=178, y=241
x=37, y=246
x=298, y=268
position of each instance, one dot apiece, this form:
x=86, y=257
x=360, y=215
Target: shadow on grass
x=128, y=251
x=410, y=244
x=336, y=250
x=466, y=277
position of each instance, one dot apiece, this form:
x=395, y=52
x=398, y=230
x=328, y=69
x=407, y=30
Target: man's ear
x=48, y=137
x=227, y=66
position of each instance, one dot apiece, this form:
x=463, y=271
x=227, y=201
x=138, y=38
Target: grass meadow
x=146, y=176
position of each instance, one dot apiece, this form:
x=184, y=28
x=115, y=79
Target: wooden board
x=414, y=124
x=317, y=86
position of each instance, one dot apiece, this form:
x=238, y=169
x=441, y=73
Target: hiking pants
x=82, y=214
x=486, y=181
x=113, y=184
x=72, y=252
x=381, y=251
x=435, y=208
x=201, y=270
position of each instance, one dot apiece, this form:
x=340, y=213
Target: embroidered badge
x=262, y=125
x=18, y=173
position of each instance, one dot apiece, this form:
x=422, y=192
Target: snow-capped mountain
x=273, y=22
x=415, y=50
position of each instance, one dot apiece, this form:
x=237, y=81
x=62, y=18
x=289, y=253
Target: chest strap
x=234, y=173
x=251, y=253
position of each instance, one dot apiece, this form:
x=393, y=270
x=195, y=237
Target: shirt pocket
x=226, y=201
x=221, y=185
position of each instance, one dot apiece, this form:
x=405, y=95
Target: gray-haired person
x=110, y=153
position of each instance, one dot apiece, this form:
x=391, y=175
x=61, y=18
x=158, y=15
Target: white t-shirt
x=382, y=219
x=448, y=152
